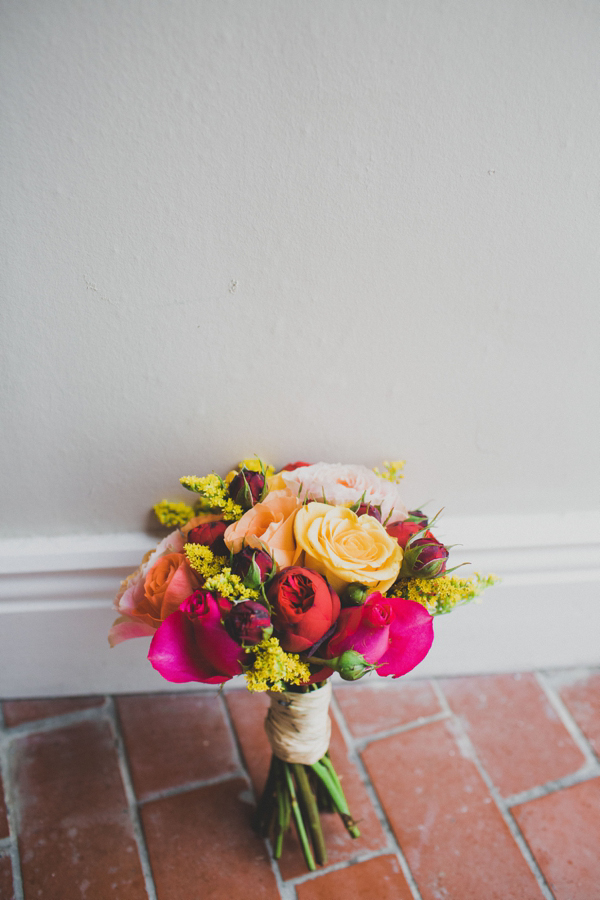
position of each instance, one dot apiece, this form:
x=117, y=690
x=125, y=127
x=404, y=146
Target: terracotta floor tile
x=6, y=882
x=455, y=840
x=75, y=833
x=368, y=709
x=3, y=819
x=563, y=831
x=16, y=712
x=583, y=701
x=515, y=731
x=173, y=739
x=379, y=878
x=248, y=713
x=201, y=845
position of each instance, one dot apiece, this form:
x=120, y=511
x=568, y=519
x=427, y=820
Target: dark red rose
x=295, y=465
x=249, y=622
x=402, y=531
x=248, y=488
x=365, y=509
x=304, y=607
x=253, y=566
x=210, y=534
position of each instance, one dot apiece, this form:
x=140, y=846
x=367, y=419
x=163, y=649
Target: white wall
x=344, y=230
x=404, y=196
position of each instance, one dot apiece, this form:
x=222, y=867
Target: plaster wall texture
x=339, y=230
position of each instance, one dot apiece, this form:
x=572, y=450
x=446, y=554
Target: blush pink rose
x=343, y=485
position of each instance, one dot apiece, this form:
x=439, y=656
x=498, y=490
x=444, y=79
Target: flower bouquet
x=286, y=578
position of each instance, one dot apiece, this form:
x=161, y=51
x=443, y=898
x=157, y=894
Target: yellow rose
x=345, y=547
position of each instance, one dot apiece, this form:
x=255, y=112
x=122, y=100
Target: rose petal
x=124, y=628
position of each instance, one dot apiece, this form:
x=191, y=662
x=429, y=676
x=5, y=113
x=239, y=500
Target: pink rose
x=193, y=645
x=391, y=632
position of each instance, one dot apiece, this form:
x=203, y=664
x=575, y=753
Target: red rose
x=402, y=531
x=295, y=465
x=248, y=488
x=304, y=607
x=249, y=623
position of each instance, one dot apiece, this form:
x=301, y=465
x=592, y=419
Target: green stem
x=298, y=820
x=310, y=804
x=283, y=814
x=337, y=795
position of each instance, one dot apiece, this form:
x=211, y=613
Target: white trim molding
x=56, y=606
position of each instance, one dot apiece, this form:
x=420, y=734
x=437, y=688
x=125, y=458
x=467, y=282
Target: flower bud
x=249, y=623
x=415, y=515
x=248, y=488
x=254, y=566
x=211, y=534
x=352, y=665
x=366, y=509
x=354, y=595
x=424, y=557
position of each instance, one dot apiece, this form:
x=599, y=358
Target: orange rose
x=270, y=523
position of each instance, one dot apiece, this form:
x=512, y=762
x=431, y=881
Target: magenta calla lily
x=193, y=645
x=390, y=632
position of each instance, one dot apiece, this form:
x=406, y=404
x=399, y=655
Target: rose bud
x=424, y=557
x=415, y=515
x=253, y=566
x=365, y=509
x=304, y=607
x=248, y=488
x=210, y=534
x=355, y=594
x=249, y=623
x=351, y=665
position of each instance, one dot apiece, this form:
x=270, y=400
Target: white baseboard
x=56, y=596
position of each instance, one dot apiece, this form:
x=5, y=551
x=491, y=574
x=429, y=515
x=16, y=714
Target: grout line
x=11, y=844
x=188, y=786
x=54, y=722
x=584, y=774
x=392, y=844
x=138, y=832
x=286, y=891
x=563, y=713
x=362, y=742
x=464, y=743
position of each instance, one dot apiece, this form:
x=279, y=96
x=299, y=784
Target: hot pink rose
x=193, y=645
x=394, y=633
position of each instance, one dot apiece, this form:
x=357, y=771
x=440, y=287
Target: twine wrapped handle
x=298, y=725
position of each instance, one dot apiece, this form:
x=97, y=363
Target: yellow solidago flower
x=203, y=560
x=230, y=586
x=214, y=494
x=392, y=470
x=442, y=595
x=172, y=513
x=273, y=668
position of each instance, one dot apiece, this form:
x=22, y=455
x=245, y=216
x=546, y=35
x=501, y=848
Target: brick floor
x=467, y=789
x=516, y=732
x=582, y=698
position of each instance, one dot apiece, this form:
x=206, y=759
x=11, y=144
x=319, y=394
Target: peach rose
x=270, y=523
x=347, y=548
x=149, y=598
